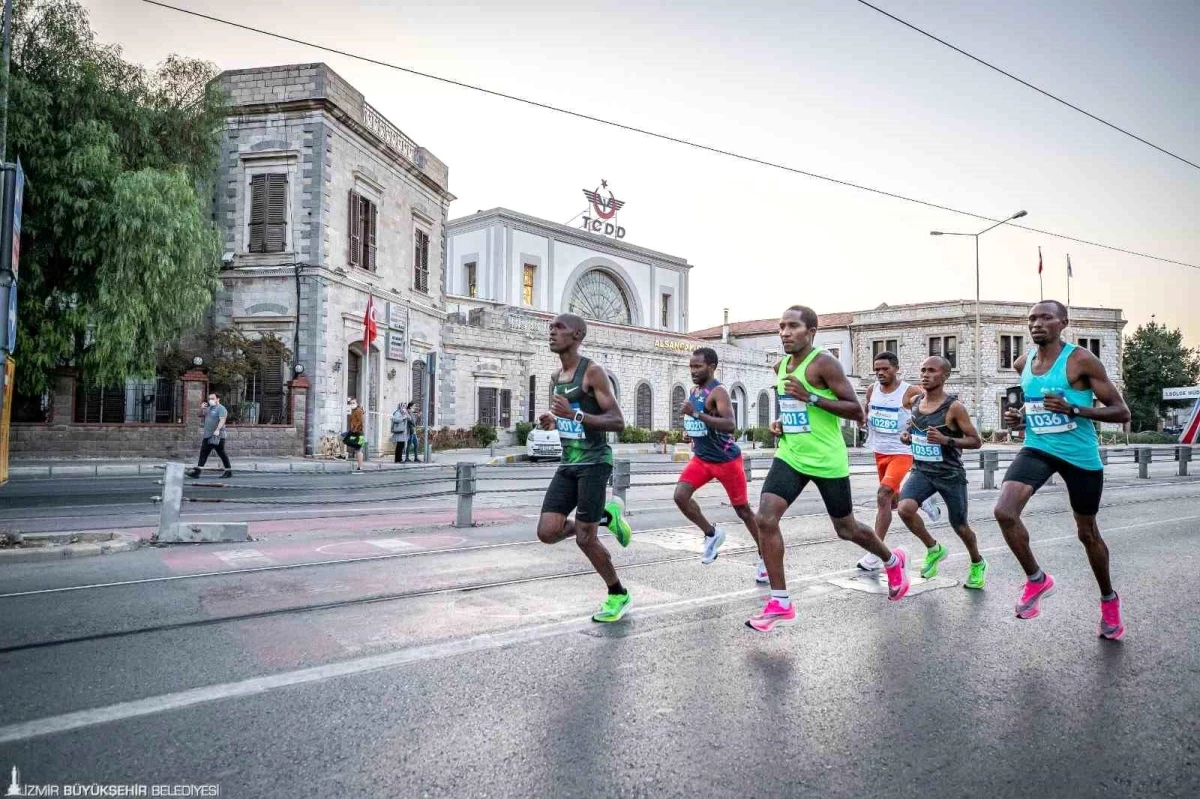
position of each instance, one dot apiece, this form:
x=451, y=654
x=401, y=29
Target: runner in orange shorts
x=888, y=406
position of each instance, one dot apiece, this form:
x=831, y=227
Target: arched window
x=597, y=295
x=645, y=407
x=764, y=409
x=678, y=395
x=737, y=398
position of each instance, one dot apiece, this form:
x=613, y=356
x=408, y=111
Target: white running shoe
x=932, y=509
x=870, y=563
x=711, y=544
x=760, y=574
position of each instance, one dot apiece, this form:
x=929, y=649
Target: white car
x=543, y=444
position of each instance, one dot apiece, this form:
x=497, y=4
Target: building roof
x=762, y=327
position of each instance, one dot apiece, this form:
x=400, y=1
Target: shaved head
x=576, y=323
x=1060, y=310
x=941, y=362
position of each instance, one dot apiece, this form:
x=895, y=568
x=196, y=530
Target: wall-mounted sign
x=1181, y=393
x=604, y=210
x=395, y=316
x=676, y=346
x=395, y=345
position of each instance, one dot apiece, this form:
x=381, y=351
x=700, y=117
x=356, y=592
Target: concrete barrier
x=205, y=533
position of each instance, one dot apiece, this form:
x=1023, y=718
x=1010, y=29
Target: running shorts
x=892, y=469
x=920, y=486
x=1084, y=486
x=729, y=474
x=786, y=483
x=581, y=488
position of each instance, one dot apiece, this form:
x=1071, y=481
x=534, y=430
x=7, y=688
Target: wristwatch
x=1073, y=411
x=578, y=417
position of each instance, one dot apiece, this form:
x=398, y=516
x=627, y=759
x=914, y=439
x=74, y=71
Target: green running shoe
x=613, y=609
x=976, y=575
x=932, y=558
x=617, y=524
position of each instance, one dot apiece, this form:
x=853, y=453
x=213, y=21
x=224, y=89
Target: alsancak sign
x=604, y=210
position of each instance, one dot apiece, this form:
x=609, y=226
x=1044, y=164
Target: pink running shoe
x=897, y=577
x=1110, y=620
x=772, y=614
x=1030, y=603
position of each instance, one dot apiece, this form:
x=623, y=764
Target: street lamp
x=978, y=358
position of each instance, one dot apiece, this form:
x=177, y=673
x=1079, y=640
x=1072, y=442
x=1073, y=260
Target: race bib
x=569, y=428
x=1044, y=422
x=884, y=420
x=922, y=450
x=694, y=427
x=793, y=415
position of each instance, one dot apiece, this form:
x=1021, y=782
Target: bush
x=523, y=431
x=677, y=437
x=763, y=436
x=484, y=435
x=634, y=435
x=445, y=438
x=1151, y=437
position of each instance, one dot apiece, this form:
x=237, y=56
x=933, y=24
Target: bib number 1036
x=1040, y=420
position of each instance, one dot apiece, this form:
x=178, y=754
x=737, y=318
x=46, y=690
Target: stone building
x=323, y=203
x=509, y=274
x=947, y=328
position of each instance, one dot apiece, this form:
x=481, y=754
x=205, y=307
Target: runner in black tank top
x=584, y=411
x=939, y=428
x=709, y=424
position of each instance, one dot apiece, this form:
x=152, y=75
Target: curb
x=121, y=542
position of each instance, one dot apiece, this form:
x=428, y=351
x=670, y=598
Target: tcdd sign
x=604, y=209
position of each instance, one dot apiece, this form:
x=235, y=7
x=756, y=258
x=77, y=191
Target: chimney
x=725, y=328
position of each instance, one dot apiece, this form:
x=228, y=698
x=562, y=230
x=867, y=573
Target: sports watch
x=578, y=417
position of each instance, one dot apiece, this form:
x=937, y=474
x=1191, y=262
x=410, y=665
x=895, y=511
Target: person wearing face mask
x=354, y=438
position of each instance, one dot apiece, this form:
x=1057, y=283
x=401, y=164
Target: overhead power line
x=654, y=135
x=1037, y=89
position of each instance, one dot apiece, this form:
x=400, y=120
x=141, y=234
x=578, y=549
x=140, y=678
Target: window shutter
x=258, y=213
x=276, y=232
x=372, y=217
x=487, y=407
x=355, y=231
x=505, y=408
x=678, y=395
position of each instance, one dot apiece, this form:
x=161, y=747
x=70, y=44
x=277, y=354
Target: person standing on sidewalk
x=355, y=425
x=400, y=431
x=214, y=415
x=413, y=445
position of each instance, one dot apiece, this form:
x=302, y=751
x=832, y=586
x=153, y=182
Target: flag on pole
x=1070, y=274
x=1039, y=261
x=1041, y=292
x=370, y=329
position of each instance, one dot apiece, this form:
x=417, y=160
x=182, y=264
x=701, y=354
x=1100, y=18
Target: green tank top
x=812, y=442
x=580, y=446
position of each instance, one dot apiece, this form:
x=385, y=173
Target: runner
x=584, y=411
x=940, y=428
x=1060, y=382
x=813, y=393
x=887, y=405
x=709, y=423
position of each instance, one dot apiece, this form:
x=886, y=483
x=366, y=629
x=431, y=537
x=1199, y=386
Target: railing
x=157, y=403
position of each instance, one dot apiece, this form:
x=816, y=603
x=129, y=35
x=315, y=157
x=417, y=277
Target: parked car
x=543, y=445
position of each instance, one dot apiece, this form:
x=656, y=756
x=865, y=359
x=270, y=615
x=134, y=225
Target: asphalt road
x=443, y=663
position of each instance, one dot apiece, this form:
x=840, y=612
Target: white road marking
x=236, y=556
x=66, y=722
x=391, y=544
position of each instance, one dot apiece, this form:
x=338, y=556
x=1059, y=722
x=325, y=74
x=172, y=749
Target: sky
x=826, y=86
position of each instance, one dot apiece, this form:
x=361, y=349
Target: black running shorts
x=920, y=486
x=1084, y=486
x=581, y=488
x=785, y=482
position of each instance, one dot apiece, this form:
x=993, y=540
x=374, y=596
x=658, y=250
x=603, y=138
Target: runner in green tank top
x=813, y=395
x=584, y=410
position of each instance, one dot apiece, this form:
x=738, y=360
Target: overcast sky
x=827, y=86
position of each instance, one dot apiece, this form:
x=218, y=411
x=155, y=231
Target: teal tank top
x=1071, y=439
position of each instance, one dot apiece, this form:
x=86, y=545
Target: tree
x=118, y=253
x=1155, y=358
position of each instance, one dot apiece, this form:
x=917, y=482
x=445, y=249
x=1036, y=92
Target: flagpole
x=1068, y=284
x=1041, y=290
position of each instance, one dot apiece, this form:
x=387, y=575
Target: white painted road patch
x=235, y=556
x=876, y=583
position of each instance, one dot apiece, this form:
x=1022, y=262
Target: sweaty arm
x=1114, y=409
x=962, y=420
x=722, y=420
x=829, y=370
x=610, y=419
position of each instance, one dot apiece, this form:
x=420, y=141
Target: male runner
x=584, y=410
x=708, y=422
x=940, y=427
x=1060, y=382
x=813, y=393
x=887, y=405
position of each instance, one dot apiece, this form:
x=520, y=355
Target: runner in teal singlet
x=1061, y=383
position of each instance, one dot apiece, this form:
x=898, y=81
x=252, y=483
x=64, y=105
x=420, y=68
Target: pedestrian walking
x=214, y=415
x=354, y=439
x=400, y=431
x=414, y=418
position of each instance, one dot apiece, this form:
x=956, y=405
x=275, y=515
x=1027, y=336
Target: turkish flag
x=1039, y=260
x=370, y=329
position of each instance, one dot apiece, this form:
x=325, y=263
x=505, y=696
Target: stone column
x=62, y=404
x=195, y=385
x=298, y=413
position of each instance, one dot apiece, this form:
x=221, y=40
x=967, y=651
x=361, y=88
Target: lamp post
x=978, y=357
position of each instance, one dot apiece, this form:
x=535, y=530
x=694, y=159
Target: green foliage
x=118, y=253
x=763, y=436
x=1154, y=359
x=484, y=434
x=634, y=435
x=231, y=357
x=523, y=431
x=1152, y=437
